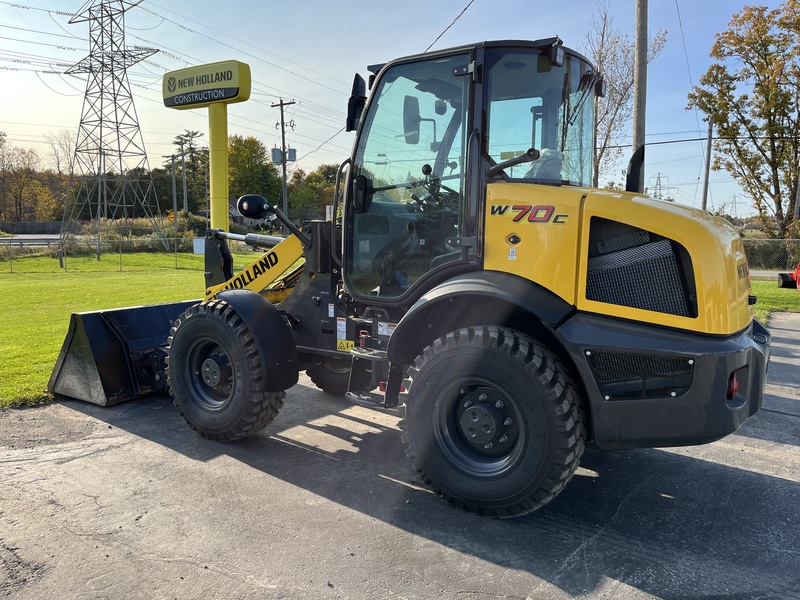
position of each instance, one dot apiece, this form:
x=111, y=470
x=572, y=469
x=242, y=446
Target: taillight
x=733, y=386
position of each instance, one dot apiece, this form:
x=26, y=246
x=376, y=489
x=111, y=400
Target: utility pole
x=174, y=209
x=640, y=81
x=174, y=197
x=708, y=164
x=174, y=193
x=796, y=214
x=183, y=171
x=282, y=104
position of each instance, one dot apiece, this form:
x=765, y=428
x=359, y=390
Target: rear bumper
x=651, y=387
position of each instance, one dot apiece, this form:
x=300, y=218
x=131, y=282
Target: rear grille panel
x=622, y=376
x=633, y=267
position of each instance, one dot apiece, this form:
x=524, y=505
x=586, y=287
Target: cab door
x=405, y=211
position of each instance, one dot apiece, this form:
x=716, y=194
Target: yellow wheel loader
x=475, y=280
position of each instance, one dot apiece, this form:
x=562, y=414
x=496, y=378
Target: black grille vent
x=637, y=268
x=635, y=376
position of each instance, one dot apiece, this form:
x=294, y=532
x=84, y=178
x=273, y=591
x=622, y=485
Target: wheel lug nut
x=507, y=422
x=502, y=439
x=482, y=397
x=498, y=404
x=488, y=445
x=468, y=403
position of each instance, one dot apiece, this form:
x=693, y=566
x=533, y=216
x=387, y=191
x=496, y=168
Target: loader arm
x=271, y=273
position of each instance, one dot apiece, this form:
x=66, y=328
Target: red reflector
x=382, y=387
x=733, y=386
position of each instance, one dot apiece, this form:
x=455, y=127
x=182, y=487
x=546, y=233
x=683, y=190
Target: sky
x=307, y=51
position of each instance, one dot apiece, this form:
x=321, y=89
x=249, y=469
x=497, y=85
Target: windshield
x=535, y=104
x=410, y=160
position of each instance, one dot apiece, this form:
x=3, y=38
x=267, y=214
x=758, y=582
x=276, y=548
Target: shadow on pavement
x=668, y=524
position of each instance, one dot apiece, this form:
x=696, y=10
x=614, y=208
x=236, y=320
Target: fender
x=272, y=335
x=479, y=298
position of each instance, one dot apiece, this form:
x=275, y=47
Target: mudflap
x=111, y=356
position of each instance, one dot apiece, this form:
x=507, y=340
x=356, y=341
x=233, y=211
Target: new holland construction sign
x=227, y=81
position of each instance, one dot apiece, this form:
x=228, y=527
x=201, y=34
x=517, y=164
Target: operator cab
x=415, y=199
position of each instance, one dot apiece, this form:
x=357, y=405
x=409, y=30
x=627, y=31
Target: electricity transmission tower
x=111, y=179
x=661, y=190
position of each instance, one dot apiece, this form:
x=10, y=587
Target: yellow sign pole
x=218, y=164
x=214, y=85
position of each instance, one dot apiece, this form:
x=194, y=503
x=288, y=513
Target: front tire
x=493, y=421
x=215, y=374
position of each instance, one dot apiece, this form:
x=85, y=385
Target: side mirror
x=411, y=119
x=600, y=87
x=355, y=105
x=254, y=206
x=362, y=197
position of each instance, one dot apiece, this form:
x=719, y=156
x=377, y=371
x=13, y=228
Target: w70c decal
x=541, y=213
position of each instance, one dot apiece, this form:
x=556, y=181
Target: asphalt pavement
x=30, y=239
x=127, y=502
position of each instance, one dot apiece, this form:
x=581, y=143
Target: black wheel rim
x=479, y=428
x=209, y=374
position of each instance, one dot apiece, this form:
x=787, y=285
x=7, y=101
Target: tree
x=613, y=56
x=309, y=194
x=62, y=150
x=4, y=177
x=195, y=161
x=62, y=153
x=751, y=94
x=249, y=171
x=20, y=186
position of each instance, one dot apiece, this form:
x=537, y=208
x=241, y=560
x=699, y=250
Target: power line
x=72, y=37
x=322, y=144
x=691, y=83
x=47, y=10
x=449, y=26
x=238, y=40
x=47, y=66
x=256, y=57
x=715, y=138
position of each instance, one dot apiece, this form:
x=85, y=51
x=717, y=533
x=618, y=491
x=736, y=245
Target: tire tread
x=540, y=363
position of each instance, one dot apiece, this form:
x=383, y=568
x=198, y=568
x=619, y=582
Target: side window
x=533, y=103
x=516, y=125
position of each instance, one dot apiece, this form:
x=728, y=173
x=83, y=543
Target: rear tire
x=215, y=374
x=492, y=421
x=331, y=375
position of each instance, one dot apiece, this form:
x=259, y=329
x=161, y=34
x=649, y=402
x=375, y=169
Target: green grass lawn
x=41, y=297
x=771, y=298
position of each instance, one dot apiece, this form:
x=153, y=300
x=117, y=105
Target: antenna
x=111, y=177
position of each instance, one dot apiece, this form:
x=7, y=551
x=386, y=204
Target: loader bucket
x=110, y=356
x=785, y=280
